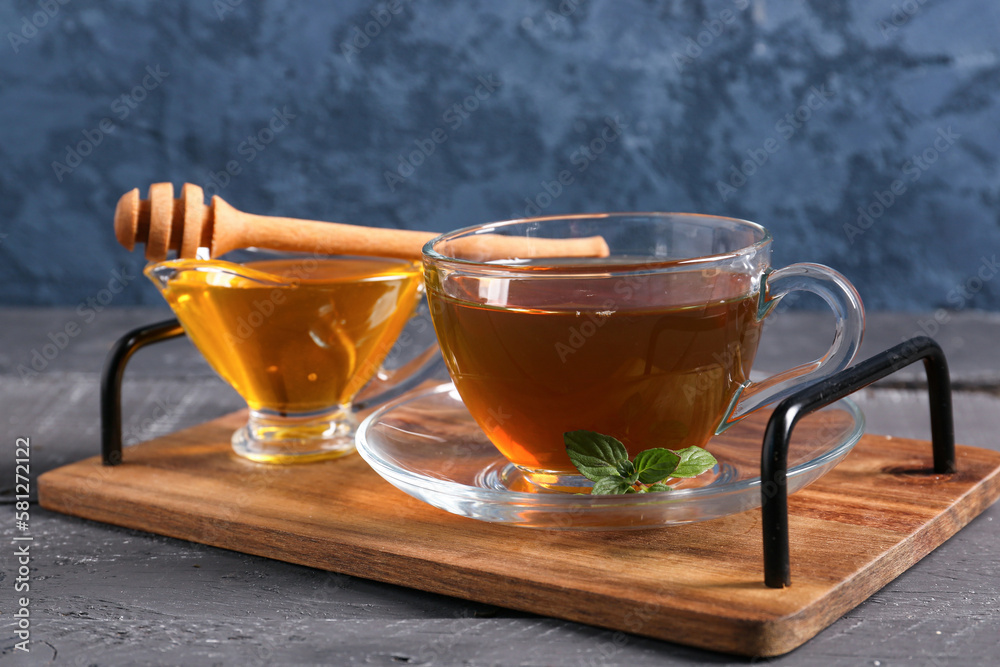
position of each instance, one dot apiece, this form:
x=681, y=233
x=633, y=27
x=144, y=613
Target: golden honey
x=292, y=336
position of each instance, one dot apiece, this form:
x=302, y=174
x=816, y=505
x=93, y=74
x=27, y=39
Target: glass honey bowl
x=297, y=336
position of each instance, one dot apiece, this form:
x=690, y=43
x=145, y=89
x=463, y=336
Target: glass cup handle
x=845, y=301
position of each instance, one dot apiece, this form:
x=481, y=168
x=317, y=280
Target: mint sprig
x=604, y=460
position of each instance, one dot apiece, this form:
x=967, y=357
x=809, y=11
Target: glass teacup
x=297, y=336
x=652, y=345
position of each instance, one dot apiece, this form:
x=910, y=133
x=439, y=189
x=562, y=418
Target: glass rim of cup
x=644, y=264
x=241, y=257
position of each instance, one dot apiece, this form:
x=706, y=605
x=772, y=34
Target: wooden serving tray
x=852, y=531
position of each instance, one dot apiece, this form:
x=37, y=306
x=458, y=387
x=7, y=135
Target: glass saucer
x=426, y=444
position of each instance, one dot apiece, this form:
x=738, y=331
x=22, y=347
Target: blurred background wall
x=863, y=134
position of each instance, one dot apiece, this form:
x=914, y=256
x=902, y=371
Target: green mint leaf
x=626, y=469
x=596, y=456
x=694, y=461
x=608, y=486
x=655, y=465
x=654, y=488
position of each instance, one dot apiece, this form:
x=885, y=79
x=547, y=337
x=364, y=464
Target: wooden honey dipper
x=185, y=224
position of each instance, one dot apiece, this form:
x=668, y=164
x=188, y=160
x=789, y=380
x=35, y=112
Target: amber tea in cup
x=296, y=336
x=634, y=373
x=652, y=345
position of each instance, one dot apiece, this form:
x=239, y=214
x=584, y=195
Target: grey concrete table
x=101, y=595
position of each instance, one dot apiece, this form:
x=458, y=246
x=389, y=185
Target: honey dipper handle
x=327, y=238
x=235, y=229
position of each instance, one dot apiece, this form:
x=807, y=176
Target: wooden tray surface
x=700, y=584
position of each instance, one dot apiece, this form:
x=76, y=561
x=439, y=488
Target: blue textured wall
x=793, y=114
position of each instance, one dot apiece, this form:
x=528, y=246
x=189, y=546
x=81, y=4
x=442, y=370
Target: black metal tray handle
x=774, y=455
x=111, y=382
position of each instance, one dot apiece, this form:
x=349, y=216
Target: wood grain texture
x=852, y=532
